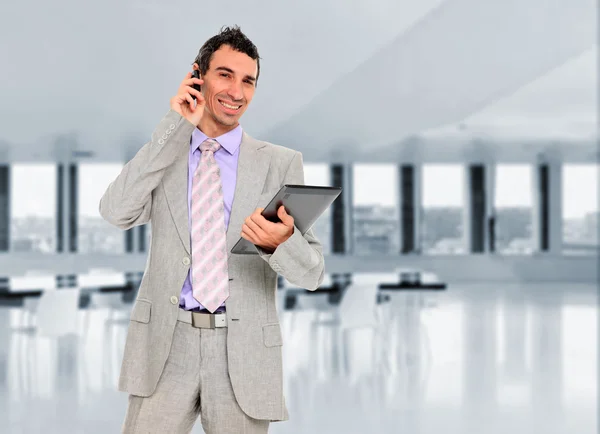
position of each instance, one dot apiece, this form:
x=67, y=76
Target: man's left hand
x=268, y=235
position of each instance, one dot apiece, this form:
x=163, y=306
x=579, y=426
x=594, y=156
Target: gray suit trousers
x=195, y=382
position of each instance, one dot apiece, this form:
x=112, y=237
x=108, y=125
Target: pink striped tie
x=210, y=279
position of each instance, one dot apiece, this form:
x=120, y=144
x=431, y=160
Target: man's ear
x=197, y=67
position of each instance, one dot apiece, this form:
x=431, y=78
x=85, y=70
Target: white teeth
x=232, y=107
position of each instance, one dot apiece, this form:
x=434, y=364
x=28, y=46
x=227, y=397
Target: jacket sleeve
x=127, y=201
x=299, y=258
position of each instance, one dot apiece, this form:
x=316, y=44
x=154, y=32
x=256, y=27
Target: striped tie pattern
x=210, y=279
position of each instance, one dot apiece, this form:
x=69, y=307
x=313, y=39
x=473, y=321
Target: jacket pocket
x=141, y=311
x=272, y=335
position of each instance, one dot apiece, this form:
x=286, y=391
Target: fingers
x=191, y=81
x=181, y=98
x=190, y=101
x=193, y=91
x=186, y=89
x=260, y=220
x=248, y=233
x=253, y=225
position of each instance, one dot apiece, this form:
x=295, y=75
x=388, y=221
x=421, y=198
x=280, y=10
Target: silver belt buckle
x=219, y=320
x=208, y=320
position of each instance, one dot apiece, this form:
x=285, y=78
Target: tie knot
x=210, y=145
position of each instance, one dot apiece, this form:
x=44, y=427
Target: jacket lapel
x=253, y=166
x=252, y=169
x=175, y=185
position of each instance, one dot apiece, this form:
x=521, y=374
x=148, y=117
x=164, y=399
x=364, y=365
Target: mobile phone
x=196, y=74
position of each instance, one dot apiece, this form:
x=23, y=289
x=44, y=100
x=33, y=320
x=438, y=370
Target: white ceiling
x=560, y=104
x=335, y=74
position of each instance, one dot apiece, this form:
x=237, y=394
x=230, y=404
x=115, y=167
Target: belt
x=203, y=320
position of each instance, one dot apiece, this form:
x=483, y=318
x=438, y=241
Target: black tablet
x=305, y=203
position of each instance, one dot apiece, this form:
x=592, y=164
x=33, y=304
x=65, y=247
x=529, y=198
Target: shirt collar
x=230, y=141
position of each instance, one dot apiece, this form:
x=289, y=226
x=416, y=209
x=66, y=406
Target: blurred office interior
x=461, y=257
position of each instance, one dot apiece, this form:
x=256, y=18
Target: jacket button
x=186, y=261
x=174, y=299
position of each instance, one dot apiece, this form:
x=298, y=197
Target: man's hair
x=233, y=37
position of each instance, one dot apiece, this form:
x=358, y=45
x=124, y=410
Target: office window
x=442, y=229
x=375, y=212
x=319, y=174
x=33, y=208
x=580, y=208
x=513, y=209
x=95, y=235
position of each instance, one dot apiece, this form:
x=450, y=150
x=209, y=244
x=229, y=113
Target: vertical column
x=543, y=203
x=73, y=207
x=409, y=208
x=490, y=211
x=4, y=208
x=66, y=207
x=5, y=319
x=418, y=207
x=547, y=207
x=475, y=215
x=66, y=215
x=535, y=209
x=129, y=240
x=555, y=207
x=142, y=238
x=60, y=208
x=341, y=213
x=135, y=239
x=349, y=207
x=466, y=214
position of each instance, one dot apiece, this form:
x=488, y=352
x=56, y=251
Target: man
x=204, y=336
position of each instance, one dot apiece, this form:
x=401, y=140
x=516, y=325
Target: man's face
x=228, y=85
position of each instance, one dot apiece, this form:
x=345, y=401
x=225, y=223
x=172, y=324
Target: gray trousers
x=195, y=382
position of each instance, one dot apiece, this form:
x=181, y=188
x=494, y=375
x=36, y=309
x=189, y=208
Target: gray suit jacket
x=152, y=187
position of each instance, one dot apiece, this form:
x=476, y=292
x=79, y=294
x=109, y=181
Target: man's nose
x=235, y=91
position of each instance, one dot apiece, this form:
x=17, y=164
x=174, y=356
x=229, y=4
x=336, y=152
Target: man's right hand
x=184, y=104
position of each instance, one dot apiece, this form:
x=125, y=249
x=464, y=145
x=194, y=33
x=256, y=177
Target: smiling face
x=228, y=88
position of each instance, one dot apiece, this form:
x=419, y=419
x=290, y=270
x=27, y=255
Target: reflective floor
x=472, y=359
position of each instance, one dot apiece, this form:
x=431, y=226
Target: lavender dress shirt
x=227, y=159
